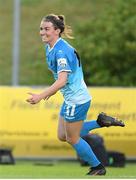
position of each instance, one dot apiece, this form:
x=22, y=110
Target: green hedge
x=107, y=45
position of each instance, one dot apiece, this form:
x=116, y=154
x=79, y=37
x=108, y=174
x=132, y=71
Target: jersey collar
x=50, y=49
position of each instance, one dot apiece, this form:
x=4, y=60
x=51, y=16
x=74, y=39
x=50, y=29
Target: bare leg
x=73, y=131
x=61, y=129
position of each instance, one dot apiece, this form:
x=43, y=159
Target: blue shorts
x=76, y=112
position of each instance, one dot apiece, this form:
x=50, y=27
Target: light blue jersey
x=63, y=57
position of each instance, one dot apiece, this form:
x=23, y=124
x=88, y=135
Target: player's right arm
x=57, y=85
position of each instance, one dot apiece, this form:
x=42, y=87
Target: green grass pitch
x=60, y=170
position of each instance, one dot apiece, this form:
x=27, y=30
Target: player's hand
x=34, y=99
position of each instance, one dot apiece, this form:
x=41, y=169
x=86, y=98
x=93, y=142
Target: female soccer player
x=65, y=64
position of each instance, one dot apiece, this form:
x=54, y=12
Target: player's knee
x=71, y=140
x=61, y=138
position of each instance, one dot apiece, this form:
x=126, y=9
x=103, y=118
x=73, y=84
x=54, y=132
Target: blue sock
x=85, y=152
x=88, y=126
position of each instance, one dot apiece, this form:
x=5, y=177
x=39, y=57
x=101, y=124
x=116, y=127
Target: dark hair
x=58, y=22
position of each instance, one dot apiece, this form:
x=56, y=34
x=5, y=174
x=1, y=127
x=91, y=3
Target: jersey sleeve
x=62, y=62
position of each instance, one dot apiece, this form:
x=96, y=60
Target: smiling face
x=49, y=33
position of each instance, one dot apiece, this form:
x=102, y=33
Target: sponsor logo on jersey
x=62, y=62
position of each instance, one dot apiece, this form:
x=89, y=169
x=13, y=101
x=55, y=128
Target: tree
x=108, y=46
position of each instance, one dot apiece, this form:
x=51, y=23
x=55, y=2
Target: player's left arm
x=57, y=85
